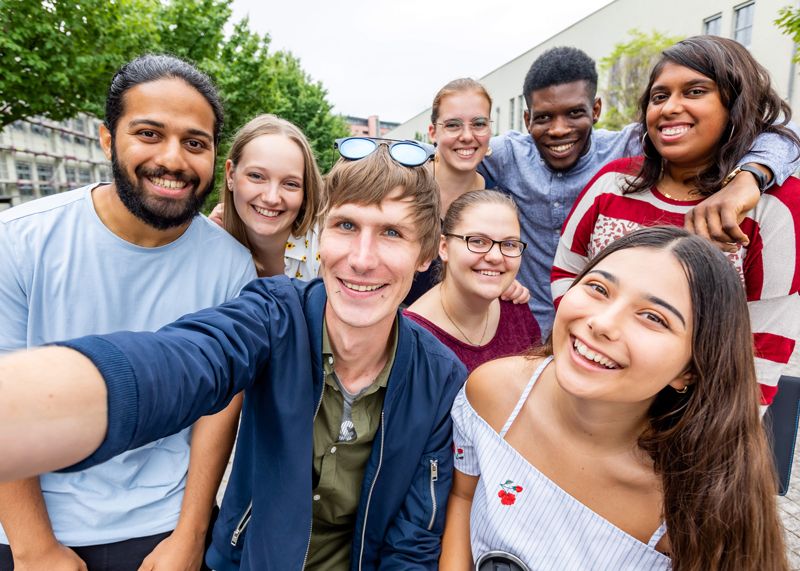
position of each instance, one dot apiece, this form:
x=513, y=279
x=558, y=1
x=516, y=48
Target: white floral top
x=301, y=257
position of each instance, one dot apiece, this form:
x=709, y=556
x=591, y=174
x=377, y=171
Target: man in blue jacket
x=343, y=459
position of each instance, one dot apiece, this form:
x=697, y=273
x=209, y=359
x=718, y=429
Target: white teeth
x=166, y=183
x=488, y=273
x=267, y=213
x=596, y=357
x=359, y=287
x=465, y=152
x=562, y=148
x=674, y=130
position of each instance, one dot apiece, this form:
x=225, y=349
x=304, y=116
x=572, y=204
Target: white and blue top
x=519, y=510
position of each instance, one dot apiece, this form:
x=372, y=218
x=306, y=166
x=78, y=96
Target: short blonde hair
x=268, y=124
x=370, y=180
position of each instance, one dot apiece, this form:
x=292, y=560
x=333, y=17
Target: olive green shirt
x=342, y=445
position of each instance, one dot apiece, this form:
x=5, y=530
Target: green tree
x=252, y=81
x=59, y=55
x=789, y=23
x=626, y=71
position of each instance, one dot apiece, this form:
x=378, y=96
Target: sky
x=390, y=57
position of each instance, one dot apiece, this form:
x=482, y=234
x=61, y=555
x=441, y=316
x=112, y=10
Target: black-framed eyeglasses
x=482, y=244
x=478, y=126
x=404, y=152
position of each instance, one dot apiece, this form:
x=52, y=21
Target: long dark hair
x=708, y=445
x=744, y=85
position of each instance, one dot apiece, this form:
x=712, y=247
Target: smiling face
x=624, y=332
x=368, y=256
x=162, y=152
x=465, y=149
x=685, y=116
x=560, y=121
x=481, y=275
x=267, y=186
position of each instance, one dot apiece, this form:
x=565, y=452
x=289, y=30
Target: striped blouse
x=518, y=510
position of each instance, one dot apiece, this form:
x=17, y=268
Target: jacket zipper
x=434, y=479
x=240, y=527
x=369, y=497
x=311, y=524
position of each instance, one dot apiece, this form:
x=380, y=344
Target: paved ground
x=789, y=509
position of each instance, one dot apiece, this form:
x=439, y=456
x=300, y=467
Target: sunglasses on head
x=406, y=153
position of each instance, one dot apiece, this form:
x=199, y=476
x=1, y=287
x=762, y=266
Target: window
x=39, y=130
x=713, y=25
x=18, y=125
x=80, y=125
x=44, y=172
x=521, y=103
x=743, y=29
x=24, y=175
x=511, y=103
x=84, y=175
x=3, y=170
x=80, y=140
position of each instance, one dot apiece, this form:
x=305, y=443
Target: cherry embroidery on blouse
x=458, y=453
x=508, y=493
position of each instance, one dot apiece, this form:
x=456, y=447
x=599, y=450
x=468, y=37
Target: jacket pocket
x=244, y=521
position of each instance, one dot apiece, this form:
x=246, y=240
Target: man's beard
x=159, y=212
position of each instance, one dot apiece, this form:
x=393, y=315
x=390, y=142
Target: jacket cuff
x=122, y=397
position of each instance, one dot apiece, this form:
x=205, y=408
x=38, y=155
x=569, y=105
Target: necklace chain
x=464, y=335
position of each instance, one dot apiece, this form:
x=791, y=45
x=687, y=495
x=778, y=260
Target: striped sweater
x=768, y=266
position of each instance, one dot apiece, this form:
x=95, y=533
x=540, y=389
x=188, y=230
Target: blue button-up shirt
x=545, y=196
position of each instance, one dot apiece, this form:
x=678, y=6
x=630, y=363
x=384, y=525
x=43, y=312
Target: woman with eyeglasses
x=632, y=439
x=271, y=197
x=480, y=254
x=460, y=130
x=706, y=101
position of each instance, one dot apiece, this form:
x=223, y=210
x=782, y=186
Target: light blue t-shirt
x=64, y=274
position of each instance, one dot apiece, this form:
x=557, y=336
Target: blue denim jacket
x=268, y=342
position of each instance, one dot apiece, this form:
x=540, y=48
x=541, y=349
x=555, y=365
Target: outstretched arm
x=53, y=411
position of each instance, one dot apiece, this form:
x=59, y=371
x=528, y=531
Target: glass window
x=80, y=124
x=44, y=172
x=511, y=103
x=84, y=175
x=18, y=125
x=743, y=30
x=713, y=25
x=24, y=175
x=39, y=130
x=80, y=140
x=3, y=170
x=521, y=104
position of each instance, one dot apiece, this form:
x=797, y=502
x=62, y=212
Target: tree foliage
x=58, y=56
x=626, y=71
x=789, y=23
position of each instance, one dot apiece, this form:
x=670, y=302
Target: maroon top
x=516, y=332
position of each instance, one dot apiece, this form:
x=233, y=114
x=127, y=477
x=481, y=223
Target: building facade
x=750, y=22
x=369, y=127
x=40, y=157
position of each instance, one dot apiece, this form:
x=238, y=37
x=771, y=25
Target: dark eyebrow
x=159, y=125
x=668, y=307
x=657, y=300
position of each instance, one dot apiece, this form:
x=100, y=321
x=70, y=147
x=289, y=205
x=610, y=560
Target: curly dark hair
x=557, y=66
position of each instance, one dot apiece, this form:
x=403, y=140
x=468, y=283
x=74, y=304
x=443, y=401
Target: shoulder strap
x=524, y=396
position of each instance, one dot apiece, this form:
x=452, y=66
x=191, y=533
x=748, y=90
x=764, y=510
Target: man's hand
x=516, y=293
x=55, y=557
x=718, y=216
x=178, y=552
